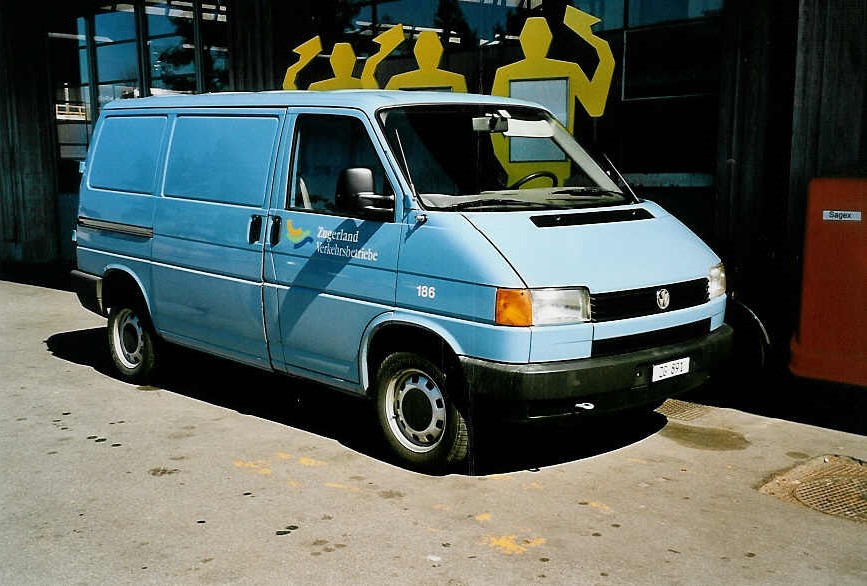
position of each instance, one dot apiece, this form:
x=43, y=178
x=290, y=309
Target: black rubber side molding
x=117, y=227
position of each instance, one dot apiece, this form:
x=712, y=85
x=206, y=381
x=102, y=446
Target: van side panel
x=115, y=217
x=209, y=230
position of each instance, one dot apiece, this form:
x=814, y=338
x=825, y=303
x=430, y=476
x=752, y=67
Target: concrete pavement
x=224, y=474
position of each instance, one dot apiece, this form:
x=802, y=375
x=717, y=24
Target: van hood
x=604, y=249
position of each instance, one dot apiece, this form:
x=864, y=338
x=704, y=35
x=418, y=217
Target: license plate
x=670, y=369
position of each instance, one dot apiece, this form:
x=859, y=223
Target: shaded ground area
x=51, y=275
x=500, y=447
x=776, y=392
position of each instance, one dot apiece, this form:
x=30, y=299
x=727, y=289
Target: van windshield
x=492, y=157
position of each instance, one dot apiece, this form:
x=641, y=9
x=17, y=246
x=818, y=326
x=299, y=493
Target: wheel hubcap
x=418, y=410
x=129, y=338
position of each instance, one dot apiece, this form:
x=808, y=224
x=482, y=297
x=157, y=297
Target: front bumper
x=598, y=385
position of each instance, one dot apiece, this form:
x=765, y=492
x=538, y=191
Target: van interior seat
x=305, y=196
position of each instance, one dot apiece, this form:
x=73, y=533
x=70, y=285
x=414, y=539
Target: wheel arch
x=120, y=284
x=395, y=334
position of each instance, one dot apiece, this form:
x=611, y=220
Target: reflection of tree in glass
x=450, y=18
x=215, y=54
x=215, y=57
x=177, y=61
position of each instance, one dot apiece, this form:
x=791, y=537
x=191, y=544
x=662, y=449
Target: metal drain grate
x=835, y=485
x=682, y=410
x=841, y=496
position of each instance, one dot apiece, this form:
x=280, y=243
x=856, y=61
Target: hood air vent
x=606, y=217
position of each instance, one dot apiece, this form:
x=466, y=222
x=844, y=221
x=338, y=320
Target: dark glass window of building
x=677, y=60
x=114, y=38
x=122, y=50
x=610, y=12
x=644, y=12
x=72, y=108
x=171, y=47
x=215, y=47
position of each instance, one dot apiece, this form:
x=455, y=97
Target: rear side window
x=126, y=154
x=221, y=158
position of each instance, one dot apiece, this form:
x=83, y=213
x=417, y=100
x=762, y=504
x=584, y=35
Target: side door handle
x=276, y=224
x=254, y=231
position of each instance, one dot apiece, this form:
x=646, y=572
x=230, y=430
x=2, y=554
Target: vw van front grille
x=655, y=339
x=638, y=302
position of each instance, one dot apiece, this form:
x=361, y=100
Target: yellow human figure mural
x=428, y=53
x=388, y=41
x=592, y=93
x=306, y=51
x=556, y=84
x=343, y=62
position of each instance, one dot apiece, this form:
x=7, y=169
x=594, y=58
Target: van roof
x=369, y=100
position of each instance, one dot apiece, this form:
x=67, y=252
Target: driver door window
x=325, y=145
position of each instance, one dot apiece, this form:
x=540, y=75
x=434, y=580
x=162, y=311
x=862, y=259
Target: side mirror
x=355, y=195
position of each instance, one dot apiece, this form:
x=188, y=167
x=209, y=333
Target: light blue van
x=391, y=244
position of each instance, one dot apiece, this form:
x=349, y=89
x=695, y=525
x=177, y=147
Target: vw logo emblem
x=663, y=298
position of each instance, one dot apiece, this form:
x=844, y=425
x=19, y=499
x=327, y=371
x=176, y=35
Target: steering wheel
x=534, y=175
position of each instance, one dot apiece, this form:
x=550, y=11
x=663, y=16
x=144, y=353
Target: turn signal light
x=514, y=307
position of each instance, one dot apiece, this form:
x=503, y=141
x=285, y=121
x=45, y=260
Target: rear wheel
x=132, y=343
x=419, y=418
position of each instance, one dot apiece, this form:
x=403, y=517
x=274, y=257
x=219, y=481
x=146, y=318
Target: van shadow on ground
x=500, y=447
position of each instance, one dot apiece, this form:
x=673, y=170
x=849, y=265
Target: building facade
x=721, y=110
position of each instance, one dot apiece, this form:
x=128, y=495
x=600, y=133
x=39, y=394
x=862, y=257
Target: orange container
x=831, y=342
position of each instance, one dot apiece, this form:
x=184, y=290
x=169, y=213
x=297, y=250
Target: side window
x=221, y=158
x=324, y=147
x=126, y=154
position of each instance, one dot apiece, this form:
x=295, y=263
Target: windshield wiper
x=480, y=203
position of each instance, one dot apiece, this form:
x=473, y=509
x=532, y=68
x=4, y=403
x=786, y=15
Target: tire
x=419, y=419
x=132, y=343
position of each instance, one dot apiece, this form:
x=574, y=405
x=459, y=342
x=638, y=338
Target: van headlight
x=539, y=307
x=716, y=281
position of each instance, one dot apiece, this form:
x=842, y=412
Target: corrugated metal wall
x=829, y=126
x=794, y=84
x=28, y=176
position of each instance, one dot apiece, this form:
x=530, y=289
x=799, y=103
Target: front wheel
x=420, y=420
x=132, y=343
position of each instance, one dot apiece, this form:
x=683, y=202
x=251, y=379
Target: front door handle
x=276, y=223
x=254, y=231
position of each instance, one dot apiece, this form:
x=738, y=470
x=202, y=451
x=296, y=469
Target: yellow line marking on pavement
x=310, y=462
x=600, y=506
x=253, y=464
x=499, y=477
x=345, y=487
x=508, y=544
x=260, y=466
